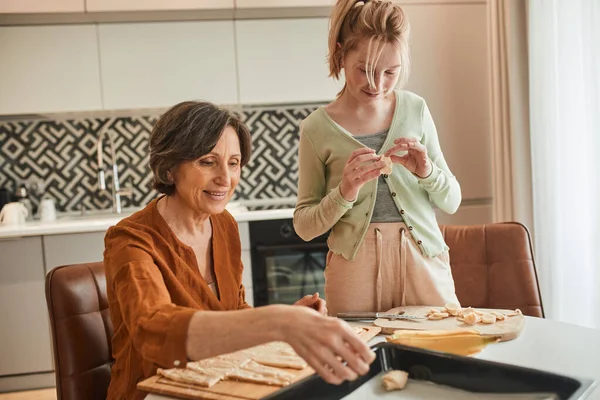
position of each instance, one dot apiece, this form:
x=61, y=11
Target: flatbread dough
x=189, y=376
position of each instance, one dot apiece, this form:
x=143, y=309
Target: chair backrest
x=81, y=330
x=493, y=267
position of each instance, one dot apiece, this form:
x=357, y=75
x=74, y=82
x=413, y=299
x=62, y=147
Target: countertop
x=543, y=344
x=101, y=221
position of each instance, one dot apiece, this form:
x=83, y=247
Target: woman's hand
x=314, y=302
x=415, y=160
x=362, y=166
x=326, y=343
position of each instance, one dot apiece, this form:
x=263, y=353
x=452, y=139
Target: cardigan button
x=402, y=212
x=393, y=194
x=385, y=176
x=420, y=242
x=410, y=228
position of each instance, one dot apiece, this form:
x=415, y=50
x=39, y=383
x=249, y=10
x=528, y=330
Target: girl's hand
x=362, y=166
x=415, y=160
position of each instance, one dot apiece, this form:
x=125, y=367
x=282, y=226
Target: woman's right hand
x=320, y=340
x=362, y=166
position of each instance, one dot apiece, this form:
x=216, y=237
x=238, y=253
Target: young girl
x=385, y=247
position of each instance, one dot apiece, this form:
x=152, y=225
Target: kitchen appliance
x=284, y=266
x=47, y=210
x=13, y=214
x=22, y=196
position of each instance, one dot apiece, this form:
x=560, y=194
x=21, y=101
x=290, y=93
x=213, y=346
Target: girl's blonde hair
x=378, y=22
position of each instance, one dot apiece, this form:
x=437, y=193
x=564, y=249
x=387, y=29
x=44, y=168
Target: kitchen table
x=544, y=344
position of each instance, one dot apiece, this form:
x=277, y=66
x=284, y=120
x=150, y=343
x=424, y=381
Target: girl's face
x=386, y=72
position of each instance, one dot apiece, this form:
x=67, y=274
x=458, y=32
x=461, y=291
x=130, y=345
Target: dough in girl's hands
x=388, y=168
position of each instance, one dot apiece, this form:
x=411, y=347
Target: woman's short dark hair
x=186, y=132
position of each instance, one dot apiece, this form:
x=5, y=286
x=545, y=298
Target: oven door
x=284, y=273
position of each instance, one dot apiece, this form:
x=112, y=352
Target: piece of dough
x=278, y=373
x=387, y=170
x=280, y=360
x=189, y=376
x=394, y=380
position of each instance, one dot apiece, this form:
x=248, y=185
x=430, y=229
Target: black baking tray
x=466, y=373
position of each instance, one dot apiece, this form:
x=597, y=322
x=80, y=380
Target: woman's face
x=387, y=72
x=207, y=184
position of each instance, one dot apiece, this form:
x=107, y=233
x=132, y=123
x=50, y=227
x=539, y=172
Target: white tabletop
x=544, y=344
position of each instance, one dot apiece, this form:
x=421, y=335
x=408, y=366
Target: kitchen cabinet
x=37, y=6
x=74, y=248
x=49, y=68
x=25, y=333
x=157, y=5
x=159, y=64
x=283, y=61
x=244, y=229
x=240, y=4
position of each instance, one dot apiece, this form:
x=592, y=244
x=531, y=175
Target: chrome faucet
x=116, y=191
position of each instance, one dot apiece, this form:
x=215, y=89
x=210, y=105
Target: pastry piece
x=452, y=308
x=216, y=366
x=191, y=377
x=278, y=373
x=394, y=380
x=280, y=360
x=387, y=170
x=488, y=318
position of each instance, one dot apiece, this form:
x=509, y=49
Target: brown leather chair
x=81, y=330
x=493, y=267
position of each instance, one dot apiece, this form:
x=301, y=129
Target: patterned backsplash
x=57, y=157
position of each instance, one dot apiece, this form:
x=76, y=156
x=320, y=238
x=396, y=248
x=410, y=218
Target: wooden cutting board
x=508, y=329
x=231, y=390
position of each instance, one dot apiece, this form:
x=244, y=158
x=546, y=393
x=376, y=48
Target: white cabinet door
x=283, y=3
x=73, y=248
x=244, y=229
x=156, y=5
x=25, y=332
x=159, y=64
x=450, y=69
x=49, y=68
x=283, y=61
x=247, y=274
x=246, y=261
x=37, y=6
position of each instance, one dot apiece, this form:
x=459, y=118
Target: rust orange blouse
x=154, y=287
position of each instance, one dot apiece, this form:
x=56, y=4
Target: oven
x=284, y=266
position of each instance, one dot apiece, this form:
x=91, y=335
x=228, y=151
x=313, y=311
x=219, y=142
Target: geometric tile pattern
x=57, y=157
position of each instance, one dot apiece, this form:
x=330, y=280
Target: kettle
x=13, y=214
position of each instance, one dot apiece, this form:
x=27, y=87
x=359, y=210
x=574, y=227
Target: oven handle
x=300, y=246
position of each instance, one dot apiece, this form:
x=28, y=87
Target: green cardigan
x=322, y=155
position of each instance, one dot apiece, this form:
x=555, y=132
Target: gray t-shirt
x=385, y=208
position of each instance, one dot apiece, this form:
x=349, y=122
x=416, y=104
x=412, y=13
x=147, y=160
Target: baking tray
x=464, y=374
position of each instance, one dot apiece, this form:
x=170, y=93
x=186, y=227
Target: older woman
x=174, y=268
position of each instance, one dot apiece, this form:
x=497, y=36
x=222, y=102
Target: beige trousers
x=389, y=271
